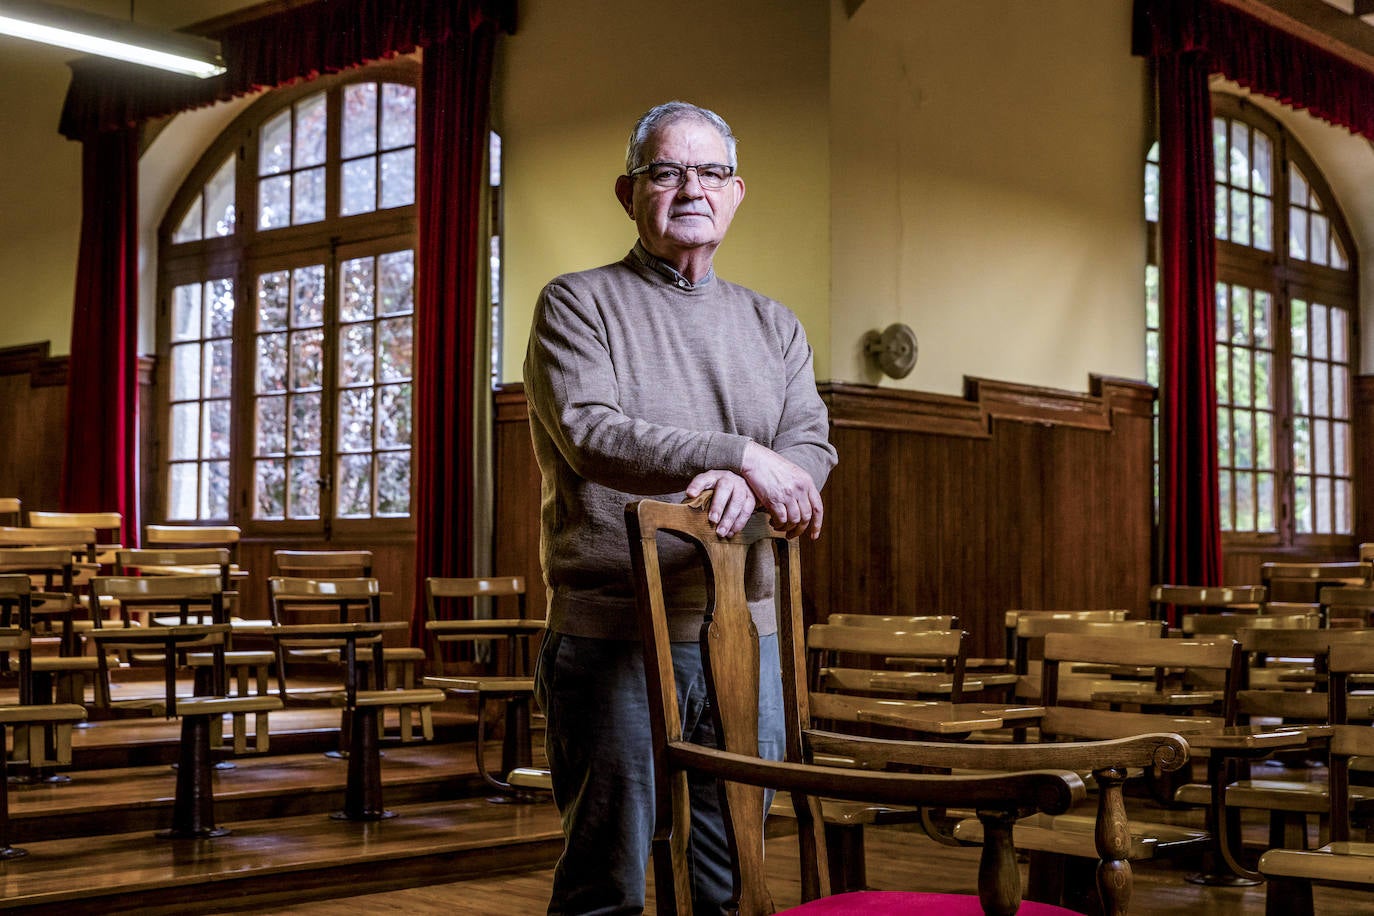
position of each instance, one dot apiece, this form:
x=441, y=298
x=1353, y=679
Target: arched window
x=1286, y=298
x=287, y=279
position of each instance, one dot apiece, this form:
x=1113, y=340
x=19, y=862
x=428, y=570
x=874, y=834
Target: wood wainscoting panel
x=33, y=413
x=1014, y=496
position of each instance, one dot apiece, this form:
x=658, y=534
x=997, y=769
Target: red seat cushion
x=890, y=903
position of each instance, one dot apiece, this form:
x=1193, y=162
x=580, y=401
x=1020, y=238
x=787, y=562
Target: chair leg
x=6, y=850
x=844, y=851
x=363, y=792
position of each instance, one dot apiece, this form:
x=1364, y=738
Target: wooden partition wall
x=1010, y=497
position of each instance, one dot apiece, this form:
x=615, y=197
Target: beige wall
x=576, y=76
x=986, y=189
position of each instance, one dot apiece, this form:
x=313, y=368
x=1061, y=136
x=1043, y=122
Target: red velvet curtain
x=454, y=108
x=1189, y=511
x=100, y=470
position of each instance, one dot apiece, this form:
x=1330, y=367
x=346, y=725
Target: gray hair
x=661, y=116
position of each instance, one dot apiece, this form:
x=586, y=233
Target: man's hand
x=785, y=490
x=731, y=504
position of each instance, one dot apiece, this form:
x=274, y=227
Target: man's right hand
x=783, y=489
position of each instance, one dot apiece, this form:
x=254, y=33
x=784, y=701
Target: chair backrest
x=901, y=624
x=323, y=564
x=76, y=540
x=343, y=596
x=1223, y=596
x=196, y=560
x=730, y=661
x=173, y=537
x=1297, y=581
x=1231, y=624
x=11, y=510
x=1347, y=602
x=186, y=591
x=439, y=588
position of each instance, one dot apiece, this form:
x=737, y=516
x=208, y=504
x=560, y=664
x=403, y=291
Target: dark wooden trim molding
x=43, y=370
x=870, y=407
x=511, y=405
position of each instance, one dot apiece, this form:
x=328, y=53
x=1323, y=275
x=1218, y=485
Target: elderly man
x=652, y=376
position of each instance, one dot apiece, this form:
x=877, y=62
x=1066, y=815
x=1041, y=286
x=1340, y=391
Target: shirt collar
x=666, y=270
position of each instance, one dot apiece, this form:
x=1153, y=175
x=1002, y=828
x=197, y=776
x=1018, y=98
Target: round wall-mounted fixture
x=894, y=349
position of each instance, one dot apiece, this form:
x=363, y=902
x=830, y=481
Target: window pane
x=1320, y=228
x=1340, y=448
x=1317, y=325
x=307, y=298
x=356, y=285
x=219, y=201
x=304, y=496
x=1263, y=318
x=215, y=441
x=181, y=495
x=1297, y=233
x=1245, y=502
x=1240, y=217
x=355, y=420
x=185, y=432
x=394, y=349
x=274, y=146
x=309, y=196
x=1261, y=165
x=1223, y=374
x=393, y=483
x=271, y=425
x=219, y=368
x=1297, y=187
x=271, y=363
x=185, y=372
x=305, y=426
x=1340, y=385
x=1224, y=438
x=359, y=119
x=310, y=130
x=1263, y=224
x=1223, y=217
x=1240, y=378
x=1344, y=523
x=1240, y=315
x=1340, y=335
x=398, y=115
x=214, y=496
x=1228, y=514
x=393, y=416
x=1265, y=505
x=398, y=178
x=270, y=486
x=1264, y=383
x=186, y=312
x=219, y=308
x=1299, y=324
x=355, y=486
x=1240, y=154
x=1219, y=156
x=359, y=186
x=1322, y=523
x=307, y=358
x=1321, y=390
x=1264, y=443
x=1245, y=445
x=274, y=202
x=273, y=297
x=1151, y=192
x=1302, y=504
x=397, y=282
x=1302, y=444
x=1338, y=258
x=188, y=230
x=1321, y=446
x=355, y=354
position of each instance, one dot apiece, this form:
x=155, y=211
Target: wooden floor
x=93, y=850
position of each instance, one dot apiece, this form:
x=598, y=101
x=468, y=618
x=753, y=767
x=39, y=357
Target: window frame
x=1286, y=278
x=249, y=251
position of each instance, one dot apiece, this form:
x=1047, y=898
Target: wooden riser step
x=281, y=859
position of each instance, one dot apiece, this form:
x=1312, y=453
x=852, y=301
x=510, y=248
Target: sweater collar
x=666, y=270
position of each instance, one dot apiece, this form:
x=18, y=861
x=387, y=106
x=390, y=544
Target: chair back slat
x=905, y=624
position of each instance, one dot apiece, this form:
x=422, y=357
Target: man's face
x=674, y=222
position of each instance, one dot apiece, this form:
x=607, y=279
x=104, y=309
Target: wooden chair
x=1060, y=847
x=323, y=564
x=511, y=683
x=1290, y=801
x=1347, y=605
x=108, y=524
x=341, y=599
x=1290, y=873
x=27, y=718
x=730, y=656
x=1198, y=599
x=55, y=607
x=163, y=645
x=179, y=537
x=1304, y=581
x=1076, y=682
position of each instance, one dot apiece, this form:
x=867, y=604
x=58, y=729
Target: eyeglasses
x=710, y=175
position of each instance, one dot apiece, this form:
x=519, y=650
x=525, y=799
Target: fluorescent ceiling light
x=106, y=37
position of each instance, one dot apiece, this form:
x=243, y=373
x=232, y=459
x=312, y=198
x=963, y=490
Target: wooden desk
x=363, y=791
x=1223, y=745
x=170, y=640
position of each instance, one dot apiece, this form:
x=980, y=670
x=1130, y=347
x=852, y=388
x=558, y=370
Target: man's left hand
x=731, y=504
